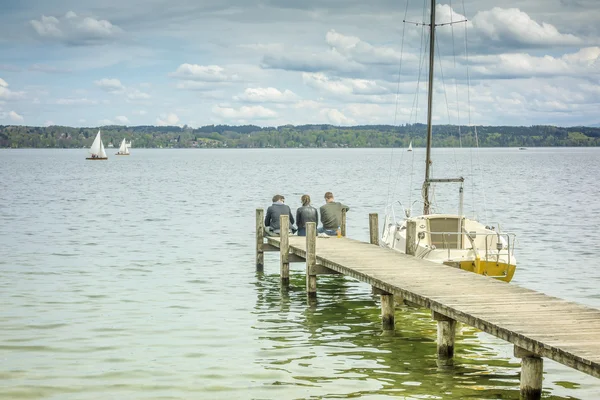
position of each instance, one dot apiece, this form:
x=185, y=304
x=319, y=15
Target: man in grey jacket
x=278, y=208
x=331, y=215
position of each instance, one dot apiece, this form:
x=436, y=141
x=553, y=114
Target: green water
x=136, y=278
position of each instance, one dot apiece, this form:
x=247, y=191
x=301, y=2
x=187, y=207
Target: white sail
x=123, y=149
x=410, y=146
x=97, y=149
x=102, y=153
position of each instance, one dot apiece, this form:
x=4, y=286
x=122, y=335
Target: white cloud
x=114, y=86
x=585, y=61
x=267, y=95
x=202, y=73
x=72, y=29
x=343, y=86
x=167, y=119
x=244, y=112
x=360, y=51
x=122, y=120
x=105, y=122
x=336, y=117
x=49, y=123
x=7, y=94
x=135, y=94
x=513, y=25
x=110, y=85
x=15, y=117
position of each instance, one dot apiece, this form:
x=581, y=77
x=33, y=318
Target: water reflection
x=337, y=347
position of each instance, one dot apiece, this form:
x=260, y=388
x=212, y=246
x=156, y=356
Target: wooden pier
x=537, y=324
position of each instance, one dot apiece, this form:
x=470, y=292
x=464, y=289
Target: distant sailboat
x=123, y=149
x=410, y=146
x=97, y=150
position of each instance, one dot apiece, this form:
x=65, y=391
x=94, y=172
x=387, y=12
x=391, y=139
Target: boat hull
x=96, y=158
x=117, y=154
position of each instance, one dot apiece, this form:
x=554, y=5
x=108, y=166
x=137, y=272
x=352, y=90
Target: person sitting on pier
x=304, y=214
x=274, y=211
x=331, y=215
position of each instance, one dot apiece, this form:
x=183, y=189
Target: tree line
x=300, y=136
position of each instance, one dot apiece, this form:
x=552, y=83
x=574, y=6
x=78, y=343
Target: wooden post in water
x=284, y=248
x=311, y=259
x=343, y=227
x=411, y=237
x=387, y=311
x=532, y=369
x=260, y=234
x=374, y=228
x=446, y=328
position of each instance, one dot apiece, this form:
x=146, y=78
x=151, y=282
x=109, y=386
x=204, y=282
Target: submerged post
x=311, y=259
x=387, y=311
x=446, y=328
x=260, y=234
x=284, y=248
x=532, y=369
x=374, y=228
x=411, y=237
x=343, y=227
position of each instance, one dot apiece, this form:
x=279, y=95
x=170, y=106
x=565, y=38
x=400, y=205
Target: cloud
x=244, y=112
x=139, y=112
x=49, y=123
x=167, y=119
x=306, y=61
x=336, y=117
x=266, y=95
x=202, y=73
x=122, y=120
x=114, y=86
x=110, y=85
x=7, y=94
x=584, y=62
x=513, y=26
x=75, y=30
x=15, y=117
x=343, y=86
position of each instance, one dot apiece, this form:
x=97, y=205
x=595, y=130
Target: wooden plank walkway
x=537, y=324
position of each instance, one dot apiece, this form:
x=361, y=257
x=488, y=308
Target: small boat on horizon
x=123, y=149
x=97, y=150
x=410, y=146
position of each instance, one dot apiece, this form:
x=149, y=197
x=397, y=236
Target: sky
x=276, y=62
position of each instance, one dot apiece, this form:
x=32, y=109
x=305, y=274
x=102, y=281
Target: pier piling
x=374, y=228
x=532, y=369
x=260, y=234
x=446, y=329
x=311, y=259
x=284, y=249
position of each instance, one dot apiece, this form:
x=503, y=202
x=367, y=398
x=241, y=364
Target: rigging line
x=455, y=81
x=446, y=97
x=389, y=199
x=469, y=102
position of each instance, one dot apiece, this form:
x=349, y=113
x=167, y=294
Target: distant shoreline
x=302, y=136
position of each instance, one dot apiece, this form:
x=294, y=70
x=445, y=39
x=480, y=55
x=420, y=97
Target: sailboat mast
x=429, y=108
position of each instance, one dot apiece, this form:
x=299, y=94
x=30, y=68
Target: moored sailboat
x=123, y=149
x=450, y=239
x=97, y=149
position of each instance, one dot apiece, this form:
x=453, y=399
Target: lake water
x=134, y=278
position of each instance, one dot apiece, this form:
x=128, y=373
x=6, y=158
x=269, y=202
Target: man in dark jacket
x=277, y=209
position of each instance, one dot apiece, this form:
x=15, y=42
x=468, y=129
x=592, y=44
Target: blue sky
x=275, y=62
